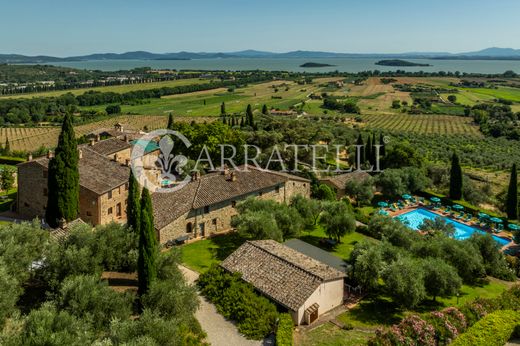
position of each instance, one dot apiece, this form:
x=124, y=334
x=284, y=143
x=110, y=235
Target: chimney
x=116, y=157
x=50, y=154
x=127, y=162
x=225, y=170
x=126, y=138
x=30, y=157
x=92, y=142
x=232, y=176
x=98, y=138
x=62, y=223
x=80, y=154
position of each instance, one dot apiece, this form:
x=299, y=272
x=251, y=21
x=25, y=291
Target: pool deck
x=413, y=206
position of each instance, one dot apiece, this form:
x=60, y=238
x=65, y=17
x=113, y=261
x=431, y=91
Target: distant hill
x=488, y=53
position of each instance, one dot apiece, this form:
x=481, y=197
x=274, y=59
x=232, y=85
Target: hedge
x=284, y=332
x=9, y=160
x=494, y=329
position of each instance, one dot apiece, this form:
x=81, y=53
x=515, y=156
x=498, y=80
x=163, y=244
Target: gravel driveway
x=220, y=331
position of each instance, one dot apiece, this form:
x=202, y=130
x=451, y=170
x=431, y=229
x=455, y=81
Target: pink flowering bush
x=412, y=331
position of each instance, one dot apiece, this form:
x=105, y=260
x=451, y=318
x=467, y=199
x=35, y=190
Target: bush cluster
x=236, y=300
x=284, y=331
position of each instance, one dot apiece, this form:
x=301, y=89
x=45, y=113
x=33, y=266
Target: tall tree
x=249, y=116
x=223, y=109
x=147, y=260
x=368, y=149
x=382, y=150
x=455, y=178
x=361, y=151
x=63, y=177
x=133, y=208
x=373, y=150
x=7, y=179
x=170, y=122
x=7, y=146
x=265, y=111
x=512, y=195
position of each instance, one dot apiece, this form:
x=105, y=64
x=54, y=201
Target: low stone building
x=337, y=182
x=307, y=288
x=205, y=206
x=103, y=171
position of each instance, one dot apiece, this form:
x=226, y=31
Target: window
x=110, y=211
x=45, y=191
x=214, y=221
x=304, y=184
x=189, y=227
x=109, y=194
x=126, y=187
x=26, y=204
x=89, y=213
x=277, y=189
x=233, y=204
x=118, y=209
x=260, y=194
x=206, y=209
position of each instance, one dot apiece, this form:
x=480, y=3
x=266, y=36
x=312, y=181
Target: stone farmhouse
x=205, y=206
x=103, y=170
x=337, y=182
x=306, y=287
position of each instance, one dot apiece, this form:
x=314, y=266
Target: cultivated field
x=114, y=88
x=30, y=139
x=422, y=123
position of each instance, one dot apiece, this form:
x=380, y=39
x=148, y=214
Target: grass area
x=276, y=94
x=114, y=88
x=202, y=254
x=341, y=250
x=329, y=334
x=5, y=203
x=506, y=93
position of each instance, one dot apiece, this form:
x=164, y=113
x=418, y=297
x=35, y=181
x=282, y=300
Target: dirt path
x=220, y=331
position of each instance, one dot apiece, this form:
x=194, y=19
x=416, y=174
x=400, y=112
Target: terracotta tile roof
x=213, y=188
x=97, y=173
x=281, y=273
x=339, y=181
x=109, y=146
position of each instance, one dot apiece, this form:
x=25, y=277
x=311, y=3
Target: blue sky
x=64, y=28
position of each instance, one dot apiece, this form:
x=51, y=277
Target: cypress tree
x=264, y=110
x=147, y=260
x=63, y=177
x=382, y=149
x=7, y=146
x=455, y=178
x=368, y=149
x=133, y=206
x=361, y=151
x=512, y=195
x=170, y=122
x=242, y=122
x=223, y=109
x=249, y=116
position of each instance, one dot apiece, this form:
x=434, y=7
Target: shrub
x=236, y=300
x=411, y=331
x=494, y=329
x=284, y=332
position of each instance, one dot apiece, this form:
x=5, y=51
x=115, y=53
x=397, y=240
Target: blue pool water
x=415, y=218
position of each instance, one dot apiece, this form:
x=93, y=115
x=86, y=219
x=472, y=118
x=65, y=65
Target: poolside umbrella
x=435, y=199
x=513, y=227
x=382, y=204
x=407, y=196
x=457, y=207
x=382, y=212
x=483, y=215
x=495, y=220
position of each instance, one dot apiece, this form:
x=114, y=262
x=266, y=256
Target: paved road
x=220, y=331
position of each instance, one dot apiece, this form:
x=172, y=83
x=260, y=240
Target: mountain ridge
x=487, y=53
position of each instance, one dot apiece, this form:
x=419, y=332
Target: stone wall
x=32, y=190
x=216, y=218
x=112, y=205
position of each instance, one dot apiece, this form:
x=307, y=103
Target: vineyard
x=31, y=139
x=422, y=124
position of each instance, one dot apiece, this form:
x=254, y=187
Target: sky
x=74, y=27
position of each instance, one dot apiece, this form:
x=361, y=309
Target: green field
x=114, y=88
x=207, y=103
x=511, y=94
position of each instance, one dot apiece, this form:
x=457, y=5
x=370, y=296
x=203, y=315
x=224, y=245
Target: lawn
x=5, y=203
x=511, y=94
x=329, y=334
x=201, y=254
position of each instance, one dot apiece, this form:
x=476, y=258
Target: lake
x=292, y=64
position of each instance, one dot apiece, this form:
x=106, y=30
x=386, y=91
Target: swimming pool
x=416, y=217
